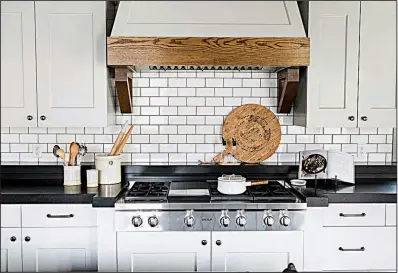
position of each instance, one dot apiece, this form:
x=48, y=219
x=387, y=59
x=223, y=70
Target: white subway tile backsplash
x=178, y=117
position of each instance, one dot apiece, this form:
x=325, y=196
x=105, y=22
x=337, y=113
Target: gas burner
x=274, y=192
x=148, y=191
x=216, y=196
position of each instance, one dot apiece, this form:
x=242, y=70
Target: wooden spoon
x=73, y=151
x=59, y=153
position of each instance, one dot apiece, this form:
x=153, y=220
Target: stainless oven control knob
x=241, y=221
x=225, y=221
x=137, y=221
x=269, y=221
x=285, y=220
x=189, y=221
x=153, y=221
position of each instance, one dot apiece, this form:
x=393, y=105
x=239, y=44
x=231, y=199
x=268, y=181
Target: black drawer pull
x=352, y=249
x=363, y=214
x=60, y=216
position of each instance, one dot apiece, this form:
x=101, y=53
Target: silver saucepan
x=235, y=184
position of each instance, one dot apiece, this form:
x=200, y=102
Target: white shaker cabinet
x=59, y=249
x=11, y=251
x=377, y=64
x=351, y=80
x=18, y=64
x=71, y=63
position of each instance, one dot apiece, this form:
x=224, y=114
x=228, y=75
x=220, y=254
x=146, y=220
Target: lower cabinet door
x=359, y=248
x=163, y=251
x=59, y=249
x=255, y=251
x=11, y=256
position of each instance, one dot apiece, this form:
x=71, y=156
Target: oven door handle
x=352, y=249
x=363, y=214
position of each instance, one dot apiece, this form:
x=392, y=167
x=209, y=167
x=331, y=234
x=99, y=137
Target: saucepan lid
x=231, y=178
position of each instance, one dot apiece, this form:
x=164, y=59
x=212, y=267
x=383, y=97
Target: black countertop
x=44, y=184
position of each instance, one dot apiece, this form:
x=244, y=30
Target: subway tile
x=149, y=74
x=384, y=148
x=214, y=82
x=139, y=138
x=26, y=138
x=177, y=101
x=223, y=74
x=114, y=129
x=246, y=75
x=131, y=148
x=196, y=120
x=5, y=130
x=273, y=92
x=305, y=138
x=260, y=92
x=150, y=111
x=168, y=148
x=360, y=139
x=350, y=148
x=389, y=139
x=195, y=101
x=314, y=131
x=213, y=139
x=373, y=157
x=350, y=131
x=168, y=92
x=295, y=148
x=84, y=138
x=222, y=110
x=95, y=148
x=341, y=139
x=251, y=83
x=388, y=157
x=141, y=101
x=177, y=139
x=94, y=130
x=159, y=120
x=282, y=148
x=157, y=82
x=10, y=157
x=177, y=157
x=268, y=82
x=149, y=148
x=168, y=111
x=205, y=111
x=68, y=138
x=186, y=74
x=19, y=148
x=195, y=157
x=332, y=131
x=205, y=92
x=223, y=92
x=214, y=120
x=196, y=82
x=150, y=92
x=214, y=102
x=37, y=130
x=377, y=138
x=369, y=148
x=269, y=102
x=232, y=102
x=177, y=120
x=288, y=139
x=272, y=159
x=205, y=74
x=384, y=131
x=47, y=138
x=334, y=147
x=287, y=120
x=186, y=148
x=29, y=157
x=150, y=129
x=140, y=157
x=177, y=82
x=103, y=138
x=323, y=139
x=138, y=120
x=19, y=130
x=368, y=131
x=159, y=101
x=5, y=147
x=196, y=139
x=287, y=157
x=48, y=147
x=167, y=74
x=204, y=129
x=260, y=75
x=295, y=130
x=205, y=148
x=313, y=146
x=241, y=92
x=167, y=129
x=186, y=111
x=120, y=120
x=186, y=92
x=232, y=82
x=141, y=82
x=186, y=129
x=250, y=100
x=159, y=157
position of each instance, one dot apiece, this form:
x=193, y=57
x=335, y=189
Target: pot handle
x=255, y=183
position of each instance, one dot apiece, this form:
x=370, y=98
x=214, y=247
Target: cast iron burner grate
x=272, y=192
x=216, y=196
x=148, y=191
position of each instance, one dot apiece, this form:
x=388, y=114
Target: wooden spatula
x=73, y=151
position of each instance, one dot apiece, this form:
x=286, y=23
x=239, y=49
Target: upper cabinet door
x=71, y=63
x=377, y=64
x=333, y=73
x=18, y=64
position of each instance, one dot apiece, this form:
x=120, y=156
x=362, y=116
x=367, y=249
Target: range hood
x=197, y=34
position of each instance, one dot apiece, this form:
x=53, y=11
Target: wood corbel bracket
x=288, y=83
x=124, y=86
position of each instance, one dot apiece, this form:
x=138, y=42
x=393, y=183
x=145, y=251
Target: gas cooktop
x=273, y=192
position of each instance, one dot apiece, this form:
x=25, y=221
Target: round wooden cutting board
x=255, y=130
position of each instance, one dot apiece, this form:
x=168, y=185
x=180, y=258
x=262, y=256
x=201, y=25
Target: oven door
x=163, y=251
x=256, y=251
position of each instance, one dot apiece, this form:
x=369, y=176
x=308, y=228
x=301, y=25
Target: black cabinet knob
x=218, y=242
x=204, y=242
x=27, y=239
x=364, y=118
x=43, y=117
x=29, y=117
x=13, y=239
x=352, y=118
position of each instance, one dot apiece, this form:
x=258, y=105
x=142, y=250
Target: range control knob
x=285, y=220
x=137, y=221
x=225, y=221
x=269, y=221
x=189, y=221
x=241, y=221
x=153, y=221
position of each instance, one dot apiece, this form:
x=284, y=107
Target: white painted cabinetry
x=351, y=80
x=163, y=251
x=53, y=57
x=256, y=251
x=11, y=250
x=18, y=64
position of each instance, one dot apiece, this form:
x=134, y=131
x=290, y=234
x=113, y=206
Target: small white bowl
x=298, y=182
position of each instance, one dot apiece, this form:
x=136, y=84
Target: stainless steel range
x=190, y=226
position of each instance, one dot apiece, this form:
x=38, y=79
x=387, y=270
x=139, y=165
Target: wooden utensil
x=126, y=137
x=119, y=139
x=73, y=151
x=59, y=153
x=256, y=131
x=261, y=182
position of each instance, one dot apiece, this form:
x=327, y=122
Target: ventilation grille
x=204, y=68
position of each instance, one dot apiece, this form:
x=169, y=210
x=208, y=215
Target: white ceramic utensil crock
x=109, y=168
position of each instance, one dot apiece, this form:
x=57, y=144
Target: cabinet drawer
x=10, y=215
x=359, y=248
x=355, y=215
x=58, y=216
x=391, y=214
